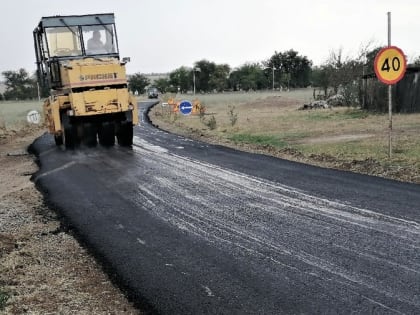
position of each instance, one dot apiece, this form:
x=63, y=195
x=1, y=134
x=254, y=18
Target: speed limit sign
x=390, y=65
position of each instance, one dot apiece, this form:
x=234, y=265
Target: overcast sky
x=162, y=35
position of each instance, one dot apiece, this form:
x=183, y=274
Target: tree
x=277, y=65
x=344, y=74
x=162, y=84
x=301, y=72
x=335, y=69
x=249, y=76
x=291, y=69
x=416, y=61
x=180, y=78
x=234, y=81
x=138, y=82
x=19, y=85
x=320, y=78
x=219, y=78
x=374, y=93
x=204, y=79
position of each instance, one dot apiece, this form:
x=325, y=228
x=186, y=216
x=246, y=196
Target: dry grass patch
x=342, y=137
x=13, y=114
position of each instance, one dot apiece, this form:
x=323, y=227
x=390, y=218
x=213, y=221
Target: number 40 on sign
x=390, y=65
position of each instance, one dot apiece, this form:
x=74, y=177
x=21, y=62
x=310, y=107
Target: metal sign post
x=390, y=65
x=389, y=95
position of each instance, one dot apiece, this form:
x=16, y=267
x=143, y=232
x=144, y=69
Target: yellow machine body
x=102, y=98
x=78, y=63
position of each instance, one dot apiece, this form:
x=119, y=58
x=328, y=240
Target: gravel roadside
x=43, y=269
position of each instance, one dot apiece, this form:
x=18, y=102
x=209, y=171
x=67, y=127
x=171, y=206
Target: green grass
x=350, y=113
x=355, y=114
x=4, y=296
x=406, y=151
x=276, y=141
x=349, y=150
x=295, y=136
x=13, y=114
x=263, y=140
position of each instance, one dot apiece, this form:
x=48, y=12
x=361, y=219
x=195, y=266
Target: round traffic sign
x=185, y=107
x=33, y=117
x=390, y=65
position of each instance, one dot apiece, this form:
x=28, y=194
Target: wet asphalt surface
x=191, y=228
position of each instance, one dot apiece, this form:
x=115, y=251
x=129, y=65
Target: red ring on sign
x=376, y=66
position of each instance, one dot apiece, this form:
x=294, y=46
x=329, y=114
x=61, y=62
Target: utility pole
x=194, y=70
x=273, y=76
x=194, y=80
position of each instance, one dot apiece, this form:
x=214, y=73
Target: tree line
x=283, y=70
x=339, y=74
x=20, y=85
x=347, y=76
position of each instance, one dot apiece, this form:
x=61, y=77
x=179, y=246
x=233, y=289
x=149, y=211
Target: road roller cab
x=78, y=61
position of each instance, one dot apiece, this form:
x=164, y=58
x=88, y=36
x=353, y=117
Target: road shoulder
x=43, y=269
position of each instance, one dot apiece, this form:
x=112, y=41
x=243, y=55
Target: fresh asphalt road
x=191, y=228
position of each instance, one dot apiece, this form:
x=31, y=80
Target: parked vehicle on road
x=152, y=92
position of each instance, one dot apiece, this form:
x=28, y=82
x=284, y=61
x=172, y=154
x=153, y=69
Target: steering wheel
x=62, y=51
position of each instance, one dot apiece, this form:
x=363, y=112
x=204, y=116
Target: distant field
x=236, y=98
x=13, y=114
x=342, y=137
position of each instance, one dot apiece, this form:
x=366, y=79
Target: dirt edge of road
x=43, y=268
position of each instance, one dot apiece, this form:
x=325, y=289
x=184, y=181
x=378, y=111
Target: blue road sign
x=185, y=107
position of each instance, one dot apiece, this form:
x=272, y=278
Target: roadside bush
x=4, y=296
x=175, y=117
x=350, y=93
x=211, y=123
x=233, y=117
x=202, y=112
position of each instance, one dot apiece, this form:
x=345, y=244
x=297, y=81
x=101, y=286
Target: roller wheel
x=71, y=139
x=58, y=139
x=106, y=134
x=89, y=134
x=125, y=134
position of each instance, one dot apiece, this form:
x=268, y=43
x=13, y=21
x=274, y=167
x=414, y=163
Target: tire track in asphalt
x=281, y=224
x=187, y=229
